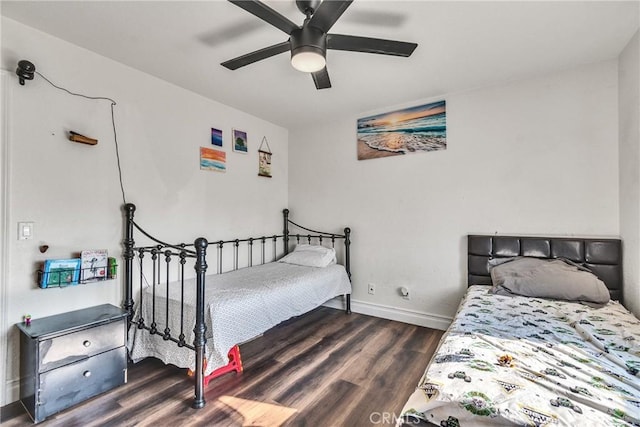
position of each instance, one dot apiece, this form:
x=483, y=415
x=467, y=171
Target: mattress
x=239, y=306
x=526, y=361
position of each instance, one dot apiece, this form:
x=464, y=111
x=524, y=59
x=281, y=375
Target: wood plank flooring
x=325, y=369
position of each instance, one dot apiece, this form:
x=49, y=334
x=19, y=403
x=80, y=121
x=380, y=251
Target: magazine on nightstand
x=94, y=265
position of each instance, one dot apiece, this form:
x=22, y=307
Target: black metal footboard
x=164, y=263
x=198, y=251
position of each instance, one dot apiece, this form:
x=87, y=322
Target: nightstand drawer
x=79, y=345
x=72, y=384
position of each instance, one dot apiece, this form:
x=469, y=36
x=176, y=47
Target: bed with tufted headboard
x=602, y=256
x=509, y=359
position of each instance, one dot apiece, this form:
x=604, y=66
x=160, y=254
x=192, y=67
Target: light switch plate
x=25, y=230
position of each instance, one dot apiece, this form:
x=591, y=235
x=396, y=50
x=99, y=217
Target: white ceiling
x=461, y=46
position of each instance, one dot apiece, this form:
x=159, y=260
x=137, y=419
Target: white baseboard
x=12, y=391
x=413, y=317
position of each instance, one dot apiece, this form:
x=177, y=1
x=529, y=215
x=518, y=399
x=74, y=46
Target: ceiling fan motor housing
x=308, y=39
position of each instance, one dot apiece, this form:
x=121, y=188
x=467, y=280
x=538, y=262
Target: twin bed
x=509, y=359
x=523, y=349
x=198, y=322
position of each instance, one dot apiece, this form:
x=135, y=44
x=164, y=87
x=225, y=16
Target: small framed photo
x=240, y=141
x=60, y=272
x=216, y=137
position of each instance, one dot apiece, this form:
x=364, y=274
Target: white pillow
x=311, y=256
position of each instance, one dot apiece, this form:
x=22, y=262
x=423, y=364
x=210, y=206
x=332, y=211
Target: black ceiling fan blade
x=267, y=14
x=256, y=56
x=328, y=13
x=370, y=45
x=321, y=79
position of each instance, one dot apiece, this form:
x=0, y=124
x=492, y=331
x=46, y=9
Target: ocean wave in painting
x=213, y=160
x=419, y=134
x=212, y=165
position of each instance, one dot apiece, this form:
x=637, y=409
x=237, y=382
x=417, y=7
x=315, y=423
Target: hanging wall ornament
x=264, y=158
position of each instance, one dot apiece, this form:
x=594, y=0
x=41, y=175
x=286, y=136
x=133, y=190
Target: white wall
x=527, y=157
x=4, y=241
x=629, y=124
x=71, y=190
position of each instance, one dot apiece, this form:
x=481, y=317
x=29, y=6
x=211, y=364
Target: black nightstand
x=70, y=357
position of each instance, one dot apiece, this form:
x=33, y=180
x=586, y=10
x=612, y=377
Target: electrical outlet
x=372, y=289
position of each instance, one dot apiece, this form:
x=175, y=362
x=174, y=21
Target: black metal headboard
x=602, y=256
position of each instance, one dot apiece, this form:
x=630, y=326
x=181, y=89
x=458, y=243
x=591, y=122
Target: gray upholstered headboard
x=602, y=256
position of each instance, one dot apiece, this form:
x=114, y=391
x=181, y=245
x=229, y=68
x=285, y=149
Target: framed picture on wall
x=264, y=164
x=264, y=158
x=216, y=137
x=240, y=141
x=213, y=160
x=408, y=131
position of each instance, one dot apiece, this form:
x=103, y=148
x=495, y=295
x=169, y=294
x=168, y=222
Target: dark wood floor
x=325, y=368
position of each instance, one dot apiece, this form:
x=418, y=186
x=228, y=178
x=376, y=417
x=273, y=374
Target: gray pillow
x=548, y=278
x=497, y=261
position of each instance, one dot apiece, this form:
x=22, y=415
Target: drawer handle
x=86, y=374
x=87, y=343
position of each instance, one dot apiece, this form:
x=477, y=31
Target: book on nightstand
x=94, y=265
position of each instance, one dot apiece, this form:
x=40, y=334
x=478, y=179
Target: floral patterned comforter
x=526, y=361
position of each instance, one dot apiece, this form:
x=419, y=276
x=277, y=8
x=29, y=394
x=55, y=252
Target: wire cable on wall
x=113, y=123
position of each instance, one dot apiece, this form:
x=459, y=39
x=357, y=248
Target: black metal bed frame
x=198, y=251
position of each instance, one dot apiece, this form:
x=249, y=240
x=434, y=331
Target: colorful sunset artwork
x=213, y=160
x=216, y=137
x=240, y=141
x=412, y=130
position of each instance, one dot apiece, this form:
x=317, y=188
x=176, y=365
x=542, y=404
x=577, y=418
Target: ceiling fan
x=309, y=43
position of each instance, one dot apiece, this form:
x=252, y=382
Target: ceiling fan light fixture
x=308, y=59
x=308, y=43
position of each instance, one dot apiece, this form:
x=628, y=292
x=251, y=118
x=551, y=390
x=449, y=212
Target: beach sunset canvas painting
x=213, y=160
x=412, y=130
